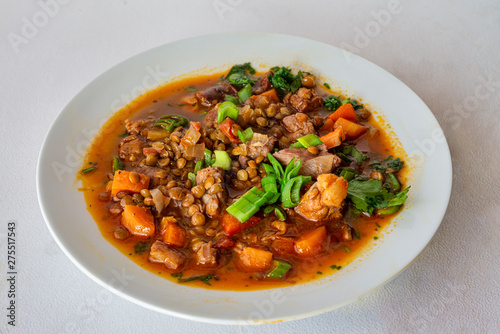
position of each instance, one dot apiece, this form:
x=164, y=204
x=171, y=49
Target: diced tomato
x=227, y=129
x=196, y=125
x=232, y=225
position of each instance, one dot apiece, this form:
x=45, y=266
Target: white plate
x=75, y=231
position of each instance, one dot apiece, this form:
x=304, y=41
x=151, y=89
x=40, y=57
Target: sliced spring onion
x=269, y=209
x=280, y=213
x=88, y=170
x=192, y=178
x=245, y=135
x=349, y=173
x=344, y=157
x=394, y=182
x=269, y=186
x=290, y=196
x=309, y=140
x=170, y=122
x=245, y=93
x=297, y=145
x=117, y=164
x=390, y=210
x=352, y=151
x=227, y=109
x=222, y=160
x=280, y=269
x=276, y=165
x=291, y=170
x=269, y=169
x=232, y=99
x=199, y=165
x=248, y=204
x=208, y=157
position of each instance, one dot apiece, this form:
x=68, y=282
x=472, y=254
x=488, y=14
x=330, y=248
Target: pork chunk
x=304, y=100
x=263, y=84
x=206, y=256
x=311, y=164
x=161, y=253
x=260, y=145
x=324, y=200
x=298, y=125
x=213, y=95
x=130, y=148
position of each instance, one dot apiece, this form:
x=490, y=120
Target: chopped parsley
x=332, y=102
x=142, y=246
x=238, y=75
x=201, y=278
x=192, y=89
x=284, y=81
x=326, y=85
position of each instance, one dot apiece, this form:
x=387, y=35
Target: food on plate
x=244, y=181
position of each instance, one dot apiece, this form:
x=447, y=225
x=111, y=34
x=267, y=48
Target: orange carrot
x=346, y=111
x=351, y=129
x=139, y=221
x=328, y=125
x=121, y=182
x=334, y=138
x=270, y=94
x=232, y=225
x=311, y=243
x=283, y=246
x=226, y=127
x=253, y=259
x=174, y=235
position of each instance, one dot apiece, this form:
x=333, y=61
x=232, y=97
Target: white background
x=446, y=51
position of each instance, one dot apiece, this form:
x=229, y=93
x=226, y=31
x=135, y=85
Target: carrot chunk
x=121, y=182
x=174, y=235
x=346, y=111
x=351, y=129
x=139, y=221
x=270, y=94
x=254, y=259
x=282, y=246
x=311, y=243
x=334, y=138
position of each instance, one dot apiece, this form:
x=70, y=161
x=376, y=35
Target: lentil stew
x=245, y=180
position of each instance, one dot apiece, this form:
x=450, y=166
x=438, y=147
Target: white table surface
x=446, y=51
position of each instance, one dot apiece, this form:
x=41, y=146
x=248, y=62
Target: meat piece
x=243, y=160
x=150, y=172
x=161, y=253
x=311, y=164
x=211, y=118
x=304, y=100
x=131, y=148
x=216, y=172
x=263, y=84
x=298, y=125
x=324, y=200
x=260, y=145
x=213, y=95
x=135, y=128
x=225, y=243
x=206, y=256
